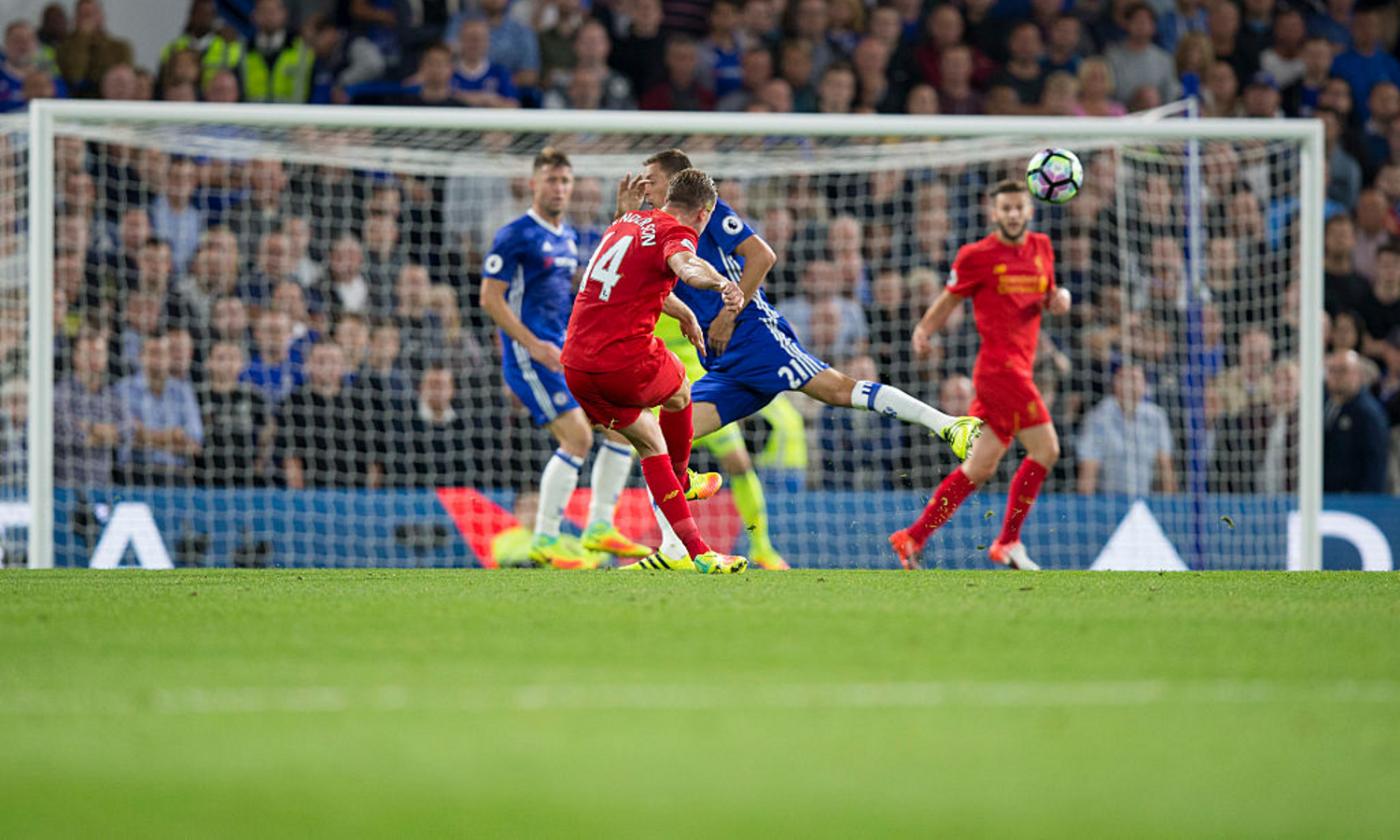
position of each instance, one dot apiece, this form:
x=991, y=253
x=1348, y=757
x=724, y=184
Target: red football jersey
x=1007, y=285
x=623, y=289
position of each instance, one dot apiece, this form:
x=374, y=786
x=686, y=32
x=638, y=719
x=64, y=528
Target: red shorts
x=614, y=400
x=1008, y=404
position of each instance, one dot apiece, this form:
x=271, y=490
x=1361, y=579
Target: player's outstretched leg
x=612, y=463
x=962, y=482
x=1042, y=451
x=833, y=387
x=557, y=483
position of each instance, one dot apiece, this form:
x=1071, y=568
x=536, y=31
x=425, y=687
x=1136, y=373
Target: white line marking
x=229, y=700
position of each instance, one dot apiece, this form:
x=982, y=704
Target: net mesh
x=214, y=258
x=14, y=355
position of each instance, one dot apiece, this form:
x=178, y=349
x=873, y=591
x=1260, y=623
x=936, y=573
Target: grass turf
x=811, y=703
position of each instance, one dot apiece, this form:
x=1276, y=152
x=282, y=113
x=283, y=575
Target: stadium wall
x=456, y=527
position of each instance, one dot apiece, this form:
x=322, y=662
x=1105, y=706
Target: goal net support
x=301, y=285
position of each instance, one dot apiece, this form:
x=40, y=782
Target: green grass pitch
x=811, y=704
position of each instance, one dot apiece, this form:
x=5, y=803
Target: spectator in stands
x=321, y=444
x=330, y=59
x=439, y=439
x=1380, y=308
x=1064, y=46
x=89, y=51
x=1347, y=329
x=265, y=208
x=955, y=93
x=165, y=431
x=304, y=269
x=922, y=100
x=1096, y=90
x=213, y=275
x=807, y=21
x=721, y=52
x=477, y=80
x=1284, y=57
x=20, y=59
x=827, y=318
x=1278, y=468
x=796, y=66
x=1022, y=72
x=277, y=63
x=433, y=87
x=1194, y=56
x=1366, y=62
x=14, y=432
x=1344, y=173
x=1357, y=435
x=871, y=62
x=1249, y=382
x=1176, y=21
x=1125, y=444
x=384, y=258
x=1137, y=62
x=1342, y=287
x=892, y=321
x=229, y=322
x=236, y=420
x=352, y=334
x=213, y=49
x=557, y=23
x=1061, y=95
x=1334, y=23
x=88, y=418
x=1371, y=232
x=174, y=217
x=1261, y=97
x=118, y=83
x=1221, y=90
x=344, y=288
x=642, y=50
x=1301, y=97
x=420, y=331
x=681, y=90
x=1383, y=105
x=372, y=49
x=307, y=325
x=836, y=92
x=756, y=70
x=272, y=369
x=591, y=49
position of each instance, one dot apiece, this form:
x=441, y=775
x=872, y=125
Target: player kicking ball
x=1010, y=277
x=527, y=289
x=618, y=370
x=755, y=356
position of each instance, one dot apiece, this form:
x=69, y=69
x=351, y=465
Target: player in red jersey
x=615, y=366
x=1010, y=277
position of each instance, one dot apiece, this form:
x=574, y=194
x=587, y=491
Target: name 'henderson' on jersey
x=1007, y=285
x=537, y=261
x=622, y=292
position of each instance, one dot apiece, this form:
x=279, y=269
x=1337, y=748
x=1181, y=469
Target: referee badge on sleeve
x=493, y=265
x=732, y=225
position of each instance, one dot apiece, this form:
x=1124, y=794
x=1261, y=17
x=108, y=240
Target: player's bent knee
x=574, y=433
x=680, y=399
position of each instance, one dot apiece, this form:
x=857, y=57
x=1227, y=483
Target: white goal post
x=46, y=116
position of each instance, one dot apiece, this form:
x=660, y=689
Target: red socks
x=1025, y=485
x=951, y=493
x=677, y=429
x=667, y=493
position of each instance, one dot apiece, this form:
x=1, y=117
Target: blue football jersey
x=723, y=233
x=537, y=260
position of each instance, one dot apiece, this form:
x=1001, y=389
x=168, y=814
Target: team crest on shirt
x=546, y=247
x=731, y=225
x=999, y=268
x=560, y=398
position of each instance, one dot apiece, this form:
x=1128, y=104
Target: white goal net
x=268, y=349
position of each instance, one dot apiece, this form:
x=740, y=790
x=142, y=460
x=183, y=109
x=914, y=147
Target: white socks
x=892, y=402
x=557, y=484
x=612, y=463
x=671, y=545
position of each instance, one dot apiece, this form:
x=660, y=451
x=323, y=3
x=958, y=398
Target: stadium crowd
x=312, y=325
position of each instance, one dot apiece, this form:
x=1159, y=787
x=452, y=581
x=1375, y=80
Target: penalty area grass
x=813, y=703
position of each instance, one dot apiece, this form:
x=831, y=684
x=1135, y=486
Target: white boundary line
x=236, y=700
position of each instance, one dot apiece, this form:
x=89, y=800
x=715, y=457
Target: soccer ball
x=1055, y=175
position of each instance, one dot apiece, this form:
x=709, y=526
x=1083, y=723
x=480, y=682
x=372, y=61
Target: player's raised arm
x=694, y=271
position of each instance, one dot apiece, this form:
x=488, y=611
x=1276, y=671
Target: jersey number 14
x=604, y=265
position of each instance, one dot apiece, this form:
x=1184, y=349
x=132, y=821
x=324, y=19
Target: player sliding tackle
x=618, y=370
x=1010, y=277
x=755, y=356
x=527, y=289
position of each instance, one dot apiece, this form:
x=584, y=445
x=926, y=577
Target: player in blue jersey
x=755, y=355
x=527, y=288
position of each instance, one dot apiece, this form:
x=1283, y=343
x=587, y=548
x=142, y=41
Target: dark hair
x=1391, y=246
x=550, y=157
x=155, y=242
x=671, y=161
x=1136, y=8
x=437, y=46
x=691, y=189
x=1007, y=186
